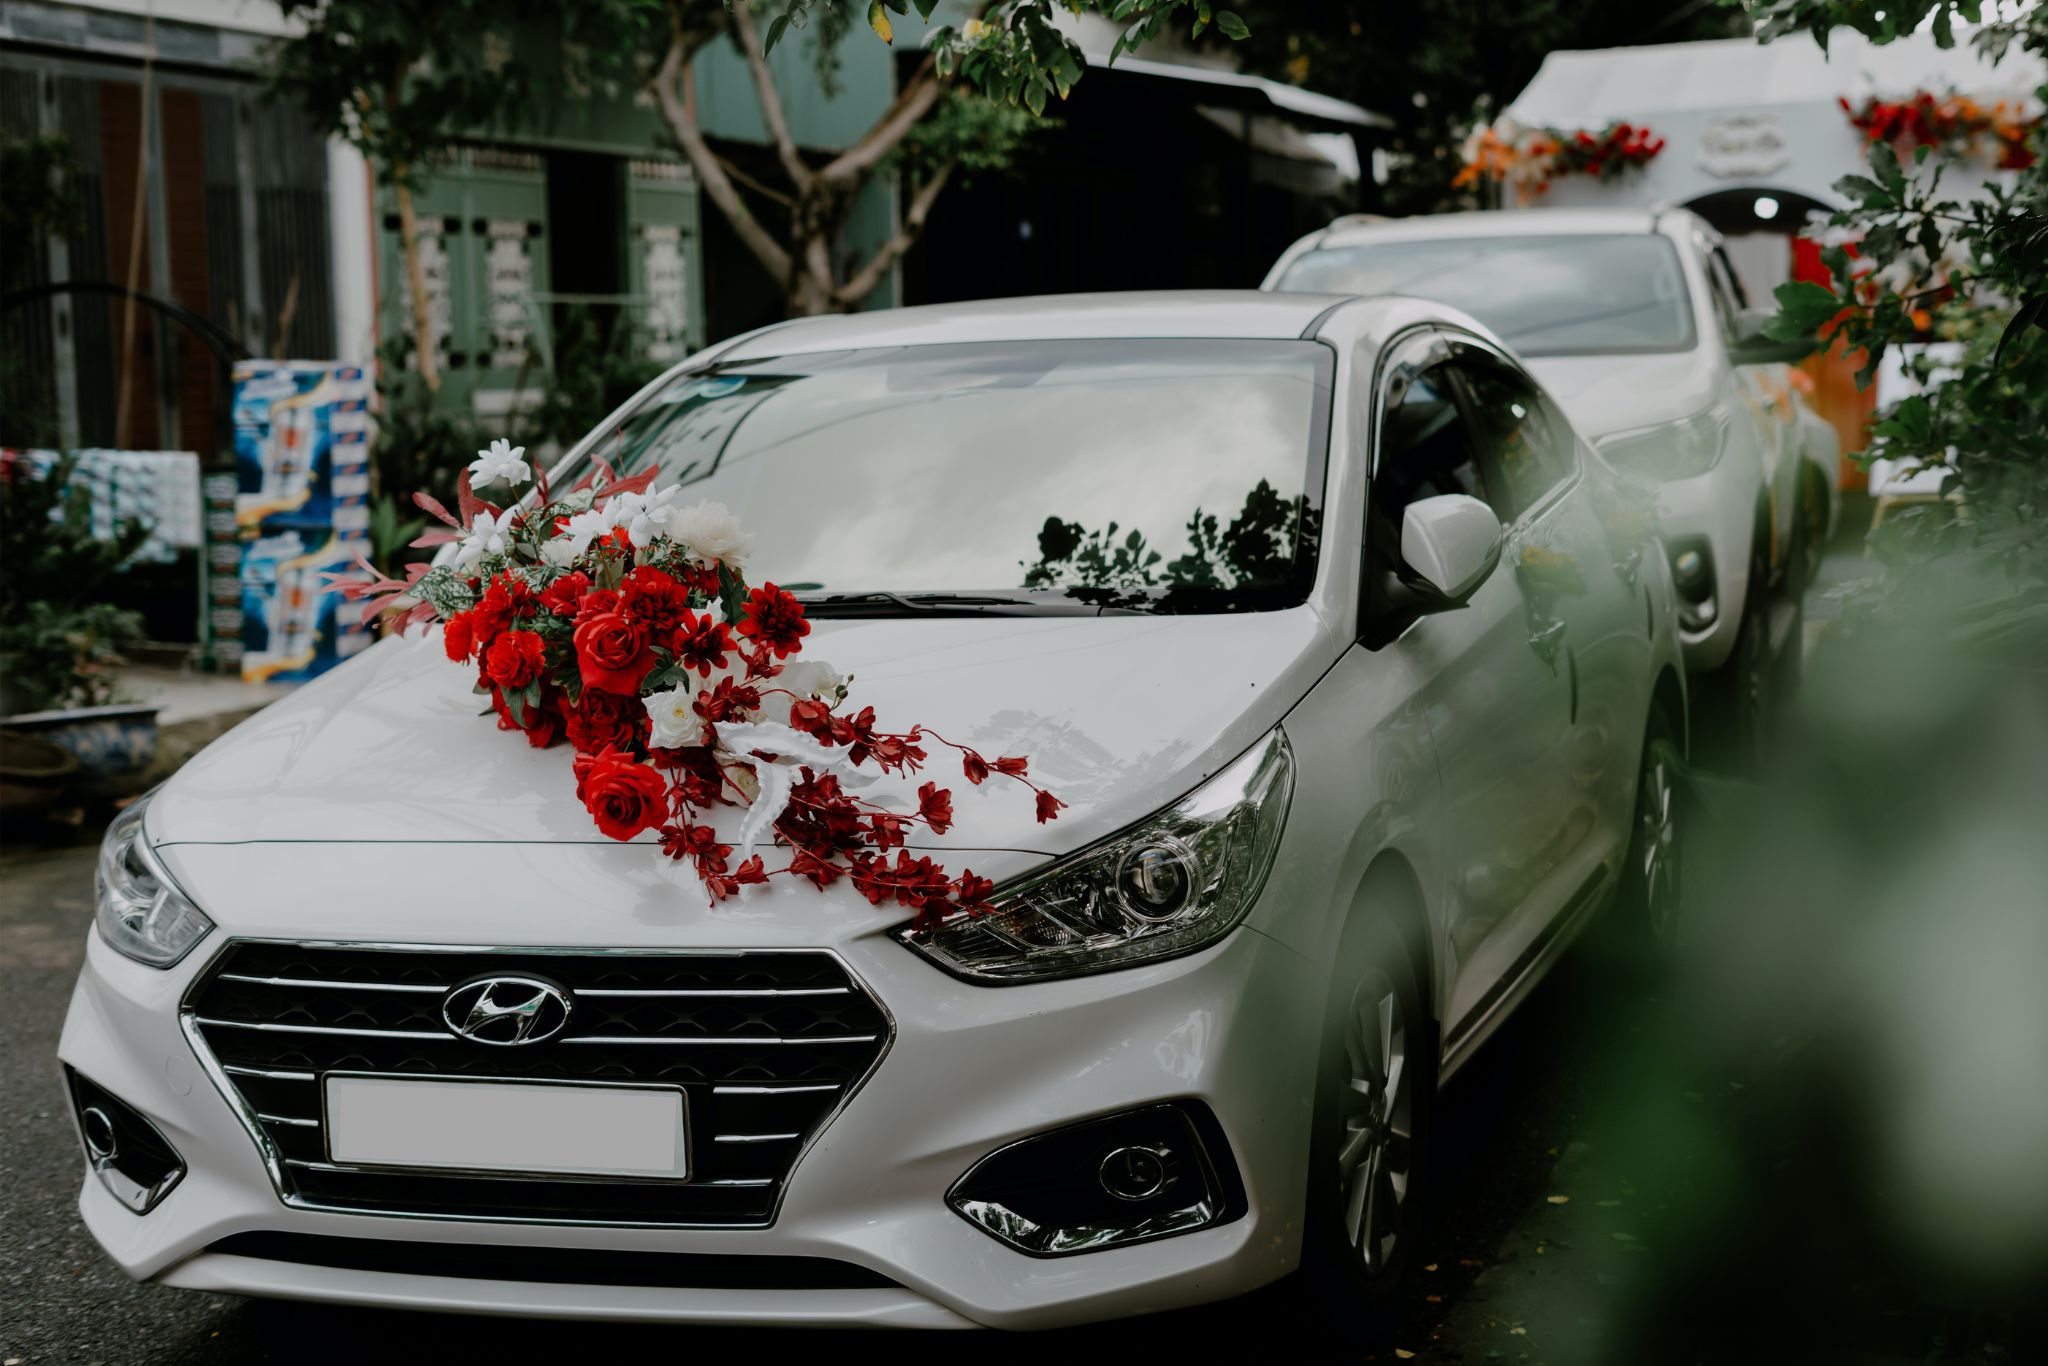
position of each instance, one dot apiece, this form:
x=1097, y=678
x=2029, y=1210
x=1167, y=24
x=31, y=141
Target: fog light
x=1690, y=568
x=1129, y=1178
x=1692, y=574
x=132, y=1160
x=1134, y=1173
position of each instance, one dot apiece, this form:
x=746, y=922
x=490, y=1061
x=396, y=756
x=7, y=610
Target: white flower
x=710, y=532
x=579, y=531
x=647, y=515
x=806, y=678
x=501, y=464
x=673, y=724
x=488, y=535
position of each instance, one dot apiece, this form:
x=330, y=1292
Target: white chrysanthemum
x=501, y=464
x=488, y=535
x=673, y=725
x=710, y=532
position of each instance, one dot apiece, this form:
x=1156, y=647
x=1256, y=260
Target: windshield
x=1075, y=475
x=1544, y=296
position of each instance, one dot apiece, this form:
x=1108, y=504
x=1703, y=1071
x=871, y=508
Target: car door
x=1587, y=599
x=1495, y=704
x=1765, y=395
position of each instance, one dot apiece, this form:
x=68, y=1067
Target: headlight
x=141, y=913
x=1671, y=450
x=1176, y=881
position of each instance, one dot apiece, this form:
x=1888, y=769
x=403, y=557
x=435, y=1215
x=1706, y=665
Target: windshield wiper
x=883, y=603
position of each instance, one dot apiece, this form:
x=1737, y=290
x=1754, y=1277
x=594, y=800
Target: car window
x=1525, y=445
x=1548, y=294
x=1426, y=449
x=1727, y=295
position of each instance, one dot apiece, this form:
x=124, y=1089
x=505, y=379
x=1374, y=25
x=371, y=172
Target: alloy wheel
x=1657, y=841
x=1376, y=1153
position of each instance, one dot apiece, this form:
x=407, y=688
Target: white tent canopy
x=1739, y=113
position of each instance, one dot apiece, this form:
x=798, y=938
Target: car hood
x=1607, y=394
x=1118, y=715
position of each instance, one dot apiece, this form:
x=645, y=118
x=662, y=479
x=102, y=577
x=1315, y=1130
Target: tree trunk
x=416, y=280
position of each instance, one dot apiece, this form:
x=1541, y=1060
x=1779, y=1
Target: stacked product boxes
x=302, y=431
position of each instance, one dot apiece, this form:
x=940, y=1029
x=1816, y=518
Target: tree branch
x=771, y=101
x=857, y=162
x=912, y=103
x=863, y=281
x=761, y=188
x=667, y=84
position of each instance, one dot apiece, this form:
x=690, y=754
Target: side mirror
x=1451, y=543
x=1751, y=347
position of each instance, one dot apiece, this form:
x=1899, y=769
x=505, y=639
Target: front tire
x=1653, y=879
x=1368, y=1153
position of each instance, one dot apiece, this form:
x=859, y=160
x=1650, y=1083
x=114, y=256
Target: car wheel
x=1813, y=531
x=1368, y=1155
x=1653, y=879
x=1736, y=698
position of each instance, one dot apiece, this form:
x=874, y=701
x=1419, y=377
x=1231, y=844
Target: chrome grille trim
x=271, y=1027
x=617, y=993
x=754, y=1138
x=276, y=1164
x=732, y=1041
x=318, y=984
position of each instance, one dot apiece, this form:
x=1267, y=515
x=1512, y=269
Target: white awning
x=1304, y=106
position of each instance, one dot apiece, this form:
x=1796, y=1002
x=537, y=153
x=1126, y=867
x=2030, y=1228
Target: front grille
x=766, y=1044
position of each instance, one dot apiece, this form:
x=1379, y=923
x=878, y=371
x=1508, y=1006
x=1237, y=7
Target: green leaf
x=1802, y=307
x=1862, y=188
x=1232, y=27
x=925, y=8
x=732, y=594
x=2032, y=313
x=1912, y=422
x=776, y=28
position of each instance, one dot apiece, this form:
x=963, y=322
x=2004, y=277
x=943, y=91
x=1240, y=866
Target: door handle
x=1571, y=667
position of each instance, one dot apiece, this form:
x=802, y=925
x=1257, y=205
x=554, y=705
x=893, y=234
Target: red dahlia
x=775, y=619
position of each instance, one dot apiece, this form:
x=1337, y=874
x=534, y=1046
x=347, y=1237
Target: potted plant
x=61, y=640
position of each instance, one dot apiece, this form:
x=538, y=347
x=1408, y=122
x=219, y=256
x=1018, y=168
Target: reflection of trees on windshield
x=1258, y=550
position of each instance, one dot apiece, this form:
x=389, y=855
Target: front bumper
x=1712, y=508
x=970, y=1070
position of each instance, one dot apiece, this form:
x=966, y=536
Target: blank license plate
x=538, y=1128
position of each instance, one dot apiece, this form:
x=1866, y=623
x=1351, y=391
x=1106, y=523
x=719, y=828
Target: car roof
x=1491, y=223
x=1234, y=313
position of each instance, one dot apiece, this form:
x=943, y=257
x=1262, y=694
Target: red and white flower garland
x=617, y=618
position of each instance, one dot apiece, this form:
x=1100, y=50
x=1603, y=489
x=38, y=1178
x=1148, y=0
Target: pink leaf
x=431, y=504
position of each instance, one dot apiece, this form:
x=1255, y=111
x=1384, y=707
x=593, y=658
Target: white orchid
x=488, y=535
x=709, y=531
x=803, y=678
x=579, y=531
x=647, y=515
x=674, y=725
x=501, y=464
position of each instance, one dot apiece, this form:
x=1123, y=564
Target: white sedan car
x=1635, y=320
x=1347, y=768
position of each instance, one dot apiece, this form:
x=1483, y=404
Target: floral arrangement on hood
x=616, y=618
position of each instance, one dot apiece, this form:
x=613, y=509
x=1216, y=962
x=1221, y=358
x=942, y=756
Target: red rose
x=456, y=637
x=506, y=599
x=565, y=594
x=653, y=598
x=605, y=720
x=514, y=659
x=595, y=601
x=612, y=652
x=622, y=795
x=776, y=619
x=543, y=722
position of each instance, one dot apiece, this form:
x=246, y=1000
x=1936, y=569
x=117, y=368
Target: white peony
x=674, y=724
x=710, y=532
x=488, y=535
x=501, y=464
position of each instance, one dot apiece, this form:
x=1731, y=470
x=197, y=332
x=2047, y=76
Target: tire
x=1735, y=700
x=1368, y=1152
x=1812, y=535
x=1653, y=876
